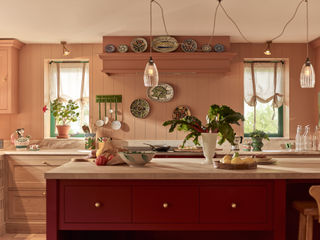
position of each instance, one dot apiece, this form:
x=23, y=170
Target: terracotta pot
x=209, y=141
x=63, y=131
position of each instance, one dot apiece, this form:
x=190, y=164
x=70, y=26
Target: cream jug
x=21, y=142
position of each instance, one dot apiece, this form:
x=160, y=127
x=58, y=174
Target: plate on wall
x=139, y=45
x=189, y=46
x=161, y=93
x=165, y=44
x=140, y=108
x=110, y=48
x=122, y=48
x=206, y=48
x=219, y=48
x=181, y=112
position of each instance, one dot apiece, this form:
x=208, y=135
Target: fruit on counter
x=259, y=156
x=187, y=147
x=236, y=160
x=236, y=154
x=226, y=159
x=248, y=160
x=101, y=160
x=98, y=153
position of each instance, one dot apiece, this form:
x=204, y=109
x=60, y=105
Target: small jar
x=90, y=140
x=246, y=147
x=102, y=140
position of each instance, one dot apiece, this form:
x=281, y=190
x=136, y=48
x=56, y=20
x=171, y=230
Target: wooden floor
x=23, y=237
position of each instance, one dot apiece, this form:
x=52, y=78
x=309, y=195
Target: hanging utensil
x=93, y=128
x=110, y=110
x=100, y=122
x=116, y=125
x=105, y=119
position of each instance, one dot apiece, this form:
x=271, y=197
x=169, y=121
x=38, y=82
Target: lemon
x=248, y=160
x=236, y=160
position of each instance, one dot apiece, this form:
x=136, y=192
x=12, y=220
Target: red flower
x=44, y=109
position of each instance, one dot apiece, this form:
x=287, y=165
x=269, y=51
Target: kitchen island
x=172, y=199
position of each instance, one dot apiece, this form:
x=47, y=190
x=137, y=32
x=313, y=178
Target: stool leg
x=309, y=227
x=302, y=227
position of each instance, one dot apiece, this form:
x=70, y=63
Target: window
x=263, y=97
x=70, y=80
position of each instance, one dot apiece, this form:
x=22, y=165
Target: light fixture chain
x=307, y=28
x=214, y=23
x=164, y=23
x=288, y=21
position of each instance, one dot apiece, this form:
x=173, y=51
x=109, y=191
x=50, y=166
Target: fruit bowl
x=137, y=159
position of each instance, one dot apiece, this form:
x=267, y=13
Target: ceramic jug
x=21, y=143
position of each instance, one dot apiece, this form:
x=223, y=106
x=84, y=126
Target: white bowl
x=137, y=158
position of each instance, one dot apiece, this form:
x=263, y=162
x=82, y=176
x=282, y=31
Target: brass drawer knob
x=44, y=162
x=43, y=193
x=165, y=205
x=233, y=205
x=97, y=204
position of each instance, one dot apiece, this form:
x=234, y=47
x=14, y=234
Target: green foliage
x=219, y=121
x=259, y=134
x=64, y=113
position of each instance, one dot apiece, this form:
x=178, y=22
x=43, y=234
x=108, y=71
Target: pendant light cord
x=214, y=23
x=150, y=25
x=307, y=28
x=164, y=22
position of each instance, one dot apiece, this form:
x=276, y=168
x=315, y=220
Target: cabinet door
x=233, y=204
x=165, y=204
x=4, y=80
x=27, y=205
x=97, y=204
x=28, y=172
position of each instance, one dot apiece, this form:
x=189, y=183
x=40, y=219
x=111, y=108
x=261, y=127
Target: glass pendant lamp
x=307, y=76
x=151, y=75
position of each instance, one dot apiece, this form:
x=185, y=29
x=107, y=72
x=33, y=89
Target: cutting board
x=199, y=150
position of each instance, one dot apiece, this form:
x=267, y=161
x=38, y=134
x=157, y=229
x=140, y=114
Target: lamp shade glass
x=151, y=75
x=307, y=76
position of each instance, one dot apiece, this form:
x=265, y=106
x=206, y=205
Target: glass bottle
x=299, y=139
x=307, y=139
x=316, y=139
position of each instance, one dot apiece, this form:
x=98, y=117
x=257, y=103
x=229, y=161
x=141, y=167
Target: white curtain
x=69, y=81
x=263, y=82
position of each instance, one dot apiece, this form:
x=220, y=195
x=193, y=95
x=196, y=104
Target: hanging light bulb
x=268, y=49
x=307, y=76
x=65, y=51
x=151, y=75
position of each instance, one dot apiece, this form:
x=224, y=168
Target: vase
x=90, y=141
x=63, y=131
x=257, y=144
x=209, y=141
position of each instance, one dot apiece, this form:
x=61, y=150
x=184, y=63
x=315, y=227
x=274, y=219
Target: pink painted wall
x=197, y=91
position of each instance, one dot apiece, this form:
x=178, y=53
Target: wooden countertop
x=188, y=168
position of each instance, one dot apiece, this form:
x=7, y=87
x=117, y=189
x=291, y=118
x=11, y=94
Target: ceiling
x=86, y=21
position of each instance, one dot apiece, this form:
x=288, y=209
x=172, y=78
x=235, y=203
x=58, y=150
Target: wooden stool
x=309, y=210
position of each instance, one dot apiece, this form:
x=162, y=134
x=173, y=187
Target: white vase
x=209, y=141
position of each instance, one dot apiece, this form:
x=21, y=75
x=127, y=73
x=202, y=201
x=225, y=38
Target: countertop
x=188, y=168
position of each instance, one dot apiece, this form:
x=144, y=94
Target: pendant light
x=268, y=49
x=65, y=51
x=151, y=75
x=307, y=76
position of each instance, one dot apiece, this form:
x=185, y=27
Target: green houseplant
x=219, y=122
x=257, y=136
x=64, y=113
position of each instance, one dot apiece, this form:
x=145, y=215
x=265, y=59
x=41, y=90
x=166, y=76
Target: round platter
x=161, y=93
x=139, y=45
x=165, y=44
x=189, y=46
x=180, y=112
x=140, y=108
x=206, y=48
x=110, y=48
x=219, y=48
x=122, y=48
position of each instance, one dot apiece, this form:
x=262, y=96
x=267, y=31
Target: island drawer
x=234, y=204
x=97, y=204
x=165, y=204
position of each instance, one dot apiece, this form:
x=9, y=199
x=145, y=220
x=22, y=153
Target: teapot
x=237, y=142
x=21, y=143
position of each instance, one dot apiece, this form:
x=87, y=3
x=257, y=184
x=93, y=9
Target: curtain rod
x=68, y=62
x=264, y=62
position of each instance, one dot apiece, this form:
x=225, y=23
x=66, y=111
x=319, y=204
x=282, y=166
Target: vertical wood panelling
x=197, y=91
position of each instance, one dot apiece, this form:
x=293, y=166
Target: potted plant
x=63, y=114
x=257, y=136
x=219, y=120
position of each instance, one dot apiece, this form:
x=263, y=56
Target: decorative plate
x=110, y=48
x=206, y=48
x=164, y=44
x=161, y=93
x=219, y=48
x=181, y=112
x=189, y=46
x=139, y=45
x=140, y=108
x=122, y=48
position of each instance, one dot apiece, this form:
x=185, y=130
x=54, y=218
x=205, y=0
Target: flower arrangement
x=63, y=113
x=219, y=120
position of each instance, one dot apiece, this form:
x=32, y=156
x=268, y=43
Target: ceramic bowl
x=137, y=159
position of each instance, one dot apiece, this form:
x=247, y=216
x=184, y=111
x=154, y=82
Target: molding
x=315, y=43
x=11, y=43
x=26, y=227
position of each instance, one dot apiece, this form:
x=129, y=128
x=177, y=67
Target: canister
x=246, y=146
x=90, y=140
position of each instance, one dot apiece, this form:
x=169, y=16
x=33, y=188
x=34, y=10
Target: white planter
x=209, y=141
